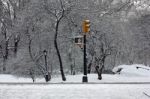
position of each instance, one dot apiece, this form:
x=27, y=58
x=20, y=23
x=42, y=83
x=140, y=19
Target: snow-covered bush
x=132, y=70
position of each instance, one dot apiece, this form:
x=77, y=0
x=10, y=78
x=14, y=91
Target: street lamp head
x=45, y=52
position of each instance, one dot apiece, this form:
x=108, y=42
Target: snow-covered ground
x=128, y=73
x=75, y=91
x=132, y=73
x=92, y=78
x=135, y=70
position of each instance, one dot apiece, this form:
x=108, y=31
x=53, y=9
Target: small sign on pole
x=79, y=41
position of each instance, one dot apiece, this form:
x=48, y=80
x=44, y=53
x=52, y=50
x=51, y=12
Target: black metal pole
x=46, y=62
x=47, y=78
x=85, y=78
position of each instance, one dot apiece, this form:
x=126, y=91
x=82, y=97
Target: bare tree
x=58, y=14
x=103, y=49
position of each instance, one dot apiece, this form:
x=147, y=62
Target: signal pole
x=86, y=29
x=85, y=78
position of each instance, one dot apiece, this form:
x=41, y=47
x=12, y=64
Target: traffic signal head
x=86, y=26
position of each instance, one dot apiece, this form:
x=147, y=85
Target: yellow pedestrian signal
x=86, y=26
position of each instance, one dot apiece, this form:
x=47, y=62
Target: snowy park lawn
x=92, y=78
x=128, y=73
x=102, y=89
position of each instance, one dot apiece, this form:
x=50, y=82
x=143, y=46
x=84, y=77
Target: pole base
x=85, y=79
x=47, y=78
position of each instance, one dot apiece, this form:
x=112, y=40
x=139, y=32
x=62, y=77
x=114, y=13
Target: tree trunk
x=102, y=67
x=89, y=67
x=16, y=41
x=58, y=53
x=60, y=60
x=100, y=70
x=99, y=76
x=5, y=55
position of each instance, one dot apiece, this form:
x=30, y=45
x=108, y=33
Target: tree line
x=119, y=35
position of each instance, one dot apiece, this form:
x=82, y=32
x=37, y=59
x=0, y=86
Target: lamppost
x=46, y=75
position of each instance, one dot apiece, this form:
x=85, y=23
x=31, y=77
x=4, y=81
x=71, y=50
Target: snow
x=129, y=73
x=92, y=78
x=94, y=89
x=135, y=70
x=74, y=91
